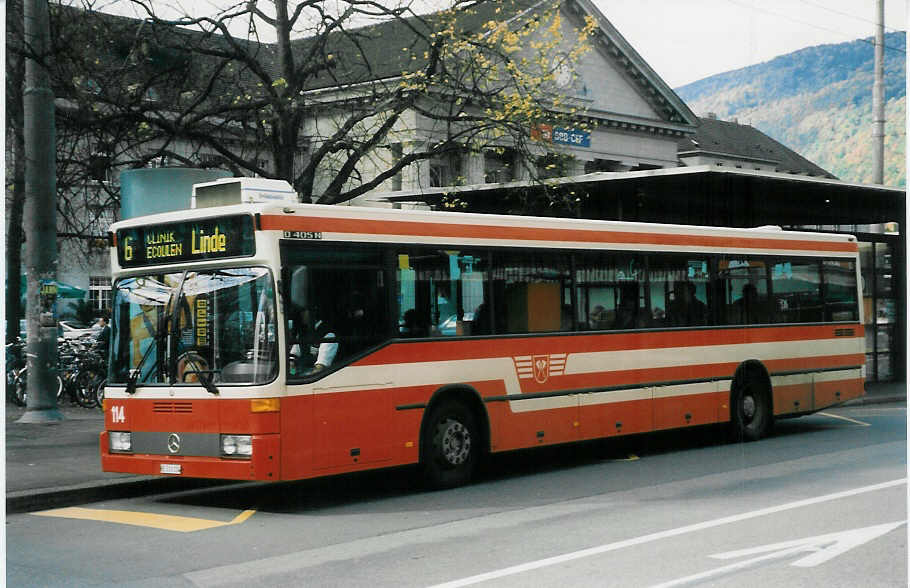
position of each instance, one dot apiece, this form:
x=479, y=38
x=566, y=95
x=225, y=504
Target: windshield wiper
x=137, y=371
x=205, y=379
x=159, y=338
x=201, y=375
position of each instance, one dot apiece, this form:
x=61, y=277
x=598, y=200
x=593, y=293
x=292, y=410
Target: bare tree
x=15, y=175
x=334, y=97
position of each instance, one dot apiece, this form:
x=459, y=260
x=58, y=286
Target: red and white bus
x=280, y=341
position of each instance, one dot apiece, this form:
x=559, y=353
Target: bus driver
x=319, y=340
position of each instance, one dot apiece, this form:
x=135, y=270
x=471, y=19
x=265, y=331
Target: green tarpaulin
x=63, y=290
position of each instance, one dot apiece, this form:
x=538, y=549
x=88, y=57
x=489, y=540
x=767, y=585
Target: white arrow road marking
x=821, y=547
x=660, y=535
x=825, y=546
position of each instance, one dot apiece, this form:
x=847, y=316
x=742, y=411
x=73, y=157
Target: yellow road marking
x=143, y=519
x=843, y=418
x=632, y=457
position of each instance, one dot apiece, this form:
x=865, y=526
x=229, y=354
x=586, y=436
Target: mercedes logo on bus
x=173, y=443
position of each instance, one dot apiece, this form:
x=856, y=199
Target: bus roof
x=393, y=219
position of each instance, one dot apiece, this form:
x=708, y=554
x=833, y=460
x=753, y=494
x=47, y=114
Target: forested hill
x=818, y=102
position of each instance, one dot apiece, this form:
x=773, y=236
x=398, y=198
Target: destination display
x=214, y=238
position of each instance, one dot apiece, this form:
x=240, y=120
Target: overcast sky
x=686, y=40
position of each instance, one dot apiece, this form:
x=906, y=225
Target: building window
x=99, y=166
x=498, y=166
x=445, y=170
x=211, y=160
x=553, y=165
x=99, y=292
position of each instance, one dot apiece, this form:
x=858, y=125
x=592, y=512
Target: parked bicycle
x=82, y=367
x=80, y=370
x=15, y=361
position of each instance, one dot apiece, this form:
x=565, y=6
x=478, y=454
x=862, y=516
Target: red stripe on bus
x=490, y=348
x=645, y=376
x=458, y=231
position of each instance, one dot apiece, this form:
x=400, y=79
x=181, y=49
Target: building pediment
x=620, y=60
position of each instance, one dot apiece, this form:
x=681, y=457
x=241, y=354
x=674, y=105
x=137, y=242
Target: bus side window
x=797, y=291
x=629, y=312
x=439, y=291
x=679, y=288
x=533, y=286
x=745, y=287
x=840, y=290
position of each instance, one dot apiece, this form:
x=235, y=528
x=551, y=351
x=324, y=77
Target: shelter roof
x=698, y=195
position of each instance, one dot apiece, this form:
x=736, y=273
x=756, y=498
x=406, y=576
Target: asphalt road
x=821, y=503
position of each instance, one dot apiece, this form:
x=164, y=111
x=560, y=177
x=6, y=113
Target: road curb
x=45, y=498
x=885, y=399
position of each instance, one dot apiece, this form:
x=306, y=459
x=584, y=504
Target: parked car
x=74, y=330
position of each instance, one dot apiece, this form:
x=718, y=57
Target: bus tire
x=751, y=411
x=451, y=445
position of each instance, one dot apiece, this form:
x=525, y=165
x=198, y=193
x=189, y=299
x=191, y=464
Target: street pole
x=878, y=97
x=40, y=219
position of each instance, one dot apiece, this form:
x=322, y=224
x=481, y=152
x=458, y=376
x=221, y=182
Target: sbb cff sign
x=561, y=136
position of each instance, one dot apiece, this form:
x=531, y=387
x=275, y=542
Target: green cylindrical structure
x=152, y=190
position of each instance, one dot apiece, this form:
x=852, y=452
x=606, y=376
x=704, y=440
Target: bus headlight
x=120, y=440
x=237, y=445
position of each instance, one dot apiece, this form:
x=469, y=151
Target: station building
x=642, y=155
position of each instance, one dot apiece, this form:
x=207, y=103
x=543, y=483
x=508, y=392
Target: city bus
x=261, y=339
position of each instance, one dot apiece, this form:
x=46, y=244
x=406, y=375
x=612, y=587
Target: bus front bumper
x=263, y=465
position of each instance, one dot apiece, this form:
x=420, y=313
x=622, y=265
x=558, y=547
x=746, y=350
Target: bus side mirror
x=299, y=286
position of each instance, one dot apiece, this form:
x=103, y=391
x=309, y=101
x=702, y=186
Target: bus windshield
x=191, y=327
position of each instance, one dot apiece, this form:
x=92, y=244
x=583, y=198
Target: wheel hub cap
x=455, y=442
x=748, y=408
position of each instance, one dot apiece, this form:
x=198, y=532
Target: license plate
x=171, y=468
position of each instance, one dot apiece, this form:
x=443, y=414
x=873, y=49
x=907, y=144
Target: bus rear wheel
x=450, y=445
x=751, y=403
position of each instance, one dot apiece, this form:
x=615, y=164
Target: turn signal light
x=265, y=405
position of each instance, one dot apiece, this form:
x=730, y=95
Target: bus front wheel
x=751, y=403
x=451, y=444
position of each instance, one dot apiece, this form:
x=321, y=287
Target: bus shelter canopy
x=698, y=195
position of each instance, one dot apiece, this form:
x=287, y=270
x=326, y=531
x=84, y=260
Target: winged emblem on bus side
x=540, y=367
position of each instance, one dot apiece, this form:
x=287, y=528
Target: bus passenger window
x=439, y=290
x=678, y=291
x=743, y=286
x=840, y=290
x=797, y=291
x=629, y=314
x=533, y=286
x=609, y=291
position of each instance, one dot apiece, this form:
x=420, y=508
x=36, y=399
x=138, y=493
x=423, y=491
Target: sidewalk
x=58, y=464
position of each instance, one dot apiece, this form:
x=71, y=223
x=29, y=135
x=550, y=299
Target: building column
x=417, y=175
x=575, y=167
x=473, y=166
x=520, y=167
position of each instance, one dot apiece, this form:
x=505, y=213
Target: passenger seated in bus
x=357, y=328
x=598, y=319
x=627, y=314
x=747, y=310
x=481, y=322
x=565, y=321
x=412, y=326
x=685, y=309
